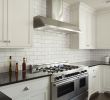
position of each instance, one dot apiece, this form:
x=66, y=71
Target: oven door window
x=65, y=89
x=82, y=82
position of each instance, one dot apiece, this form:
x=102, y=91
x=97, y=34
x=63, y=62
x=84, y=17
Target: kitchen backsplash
x=99, y=55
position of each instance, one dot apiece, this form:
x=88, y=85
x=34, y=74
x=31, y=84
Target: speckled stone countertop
x=92, y=63
x=4, y=97
x=6, y=79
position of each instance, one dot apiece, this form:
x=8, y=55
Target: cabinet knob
x=7, y=41
x=26, y=89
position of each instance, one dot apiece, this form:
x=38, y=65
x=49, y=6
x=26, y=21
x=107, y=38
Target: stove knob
x=84, y=71
x=76, y=73
x=59, y=77
x=72, y=74
x=56, y=78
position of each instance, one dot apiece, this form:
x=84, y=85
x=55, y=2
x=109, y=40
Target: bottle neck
x=24, y=61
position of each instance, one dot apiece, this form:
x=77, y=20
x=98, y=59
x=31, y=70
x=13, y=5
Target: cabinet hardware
x=26, y=89
x=7, y=41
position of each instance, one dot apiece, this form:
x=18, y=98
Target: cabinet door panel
x=19, y=23
x=94, y=79
x=21, y=98
x=103, y=31
x=3, y=23
x=83, y=23
x=106, y=78
x=39, y=95
x=1, y=20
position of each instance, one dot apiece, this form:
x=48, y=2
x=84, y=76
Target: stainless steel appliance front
x=71, y=88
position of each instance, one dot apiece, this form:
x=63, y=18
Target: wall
x=48, y=47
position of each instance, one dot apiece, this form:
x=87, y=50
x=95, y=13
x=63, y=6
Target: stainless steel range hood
x=53, y=20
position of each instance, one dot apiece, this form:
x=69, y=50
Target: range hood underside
x=44, y=23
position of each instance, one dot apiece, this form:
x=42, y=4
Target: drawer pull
x=26, y=89
x=7, y=41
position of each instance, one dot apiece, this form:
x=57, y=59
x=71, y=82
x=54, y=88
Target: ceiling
x=97, y=4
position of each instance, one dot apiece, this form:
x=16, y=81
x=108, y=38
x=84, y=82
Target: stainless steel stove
x=68, y=82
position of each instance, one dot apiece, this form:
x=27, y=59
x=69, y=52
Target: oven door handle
x=81, y=76
x=64, y=82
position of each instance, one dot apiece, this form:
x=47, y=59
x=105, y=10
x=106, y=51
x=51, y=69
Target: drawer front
x=25, y=87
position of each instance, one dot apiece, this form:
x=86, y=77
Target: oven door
x=82, y=84
x=64, y=90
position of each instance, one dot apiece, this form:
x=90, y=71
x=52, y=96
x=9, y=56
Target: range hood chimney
x=53, y=20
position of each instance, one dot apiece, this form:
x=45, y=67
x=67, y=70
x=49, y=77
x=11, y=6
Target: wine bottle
x=10, y=68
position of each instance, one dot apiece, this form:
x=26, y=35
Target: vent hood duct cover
x=51, y=22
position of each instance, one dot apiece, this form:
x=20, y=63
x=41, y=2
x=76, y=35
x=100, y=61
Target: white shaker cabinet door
x=94, y=79
x=106, y=78
x=3, y=23
x=39, y=95
x=19, y=23
x=83, y=26
x=103, y=30
x=21, y=98
x=87, y=27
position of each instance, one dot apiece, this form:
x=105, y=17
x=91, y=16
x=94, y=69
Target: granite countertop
x=4, y=97
x=6, y=79
x=92, y=63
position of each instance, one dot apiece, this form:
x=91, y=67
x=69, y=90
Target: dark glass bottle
x=16, y=71
x=10, y=68
x=24, y=68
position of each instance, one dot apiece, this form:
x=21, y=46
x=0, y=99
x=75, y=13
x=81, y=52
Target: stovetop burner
x=56, y=69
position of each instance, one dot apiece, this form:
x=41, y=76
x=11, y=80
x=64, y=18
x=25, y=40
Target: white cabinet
x=94, y=79
x=3, y=23
x=16, y=23
x=99, y=79
x=105, y=81
x=84, y=18
x=103, y=29
x=38, y=89
x=41, y=95
x=21, y=98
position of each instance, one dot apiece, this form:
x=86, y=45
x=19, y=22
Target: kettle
x=107, y=59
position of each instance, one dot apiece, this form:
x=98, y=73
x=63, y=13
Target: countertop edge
x=4, y=97
x=5, y=84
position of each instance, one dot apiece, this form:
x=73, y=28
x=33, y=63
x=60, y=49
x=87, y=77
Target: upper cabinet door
x=103, y=30
x=84, y=18
x=19, y=23
x=3, y=23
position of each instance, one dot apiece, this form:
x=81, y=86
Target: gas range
x=68, y=81
x=59, y=71
x=53, y=68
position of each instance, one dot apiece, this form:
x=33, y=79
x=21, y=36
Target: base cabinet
x=38, y=89
x=105, y=82
x=21, y=98
x=41, y=95
x=94, y=79
x=99, y=79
